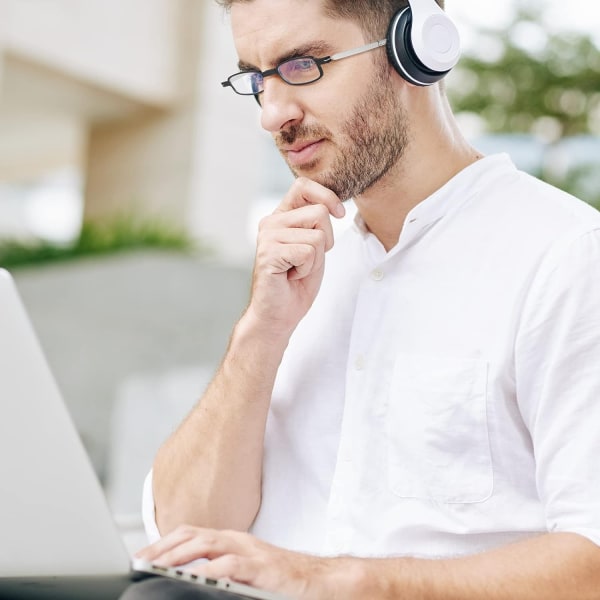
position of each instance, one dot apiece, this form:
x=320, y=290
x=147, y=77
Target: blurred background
x=131, y=185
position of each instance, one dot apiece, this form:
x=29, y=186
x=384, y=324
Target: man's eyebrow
x=318, y=49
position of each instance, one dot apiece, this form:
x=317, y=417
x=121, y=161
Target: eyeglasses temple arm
x=360, y=50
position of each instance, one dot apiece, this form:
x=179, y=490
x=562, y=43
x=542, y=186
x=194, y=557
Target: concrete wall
x=129, y=92
x=197, y=165
x=107, y=321
x=129, y=47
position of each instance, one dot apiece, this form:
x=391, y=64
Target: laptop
x=57, y=535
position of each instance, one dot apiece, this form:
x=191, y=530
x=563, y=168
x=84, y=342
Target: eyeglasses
x=300, y=70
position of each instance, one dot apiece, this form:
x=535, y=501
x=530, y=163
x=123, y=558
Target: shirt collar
x=453, y=194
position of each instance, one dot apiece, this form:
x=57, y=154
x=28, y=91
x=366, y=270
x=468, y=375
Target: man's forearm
x=558, y=566
x=208, y=473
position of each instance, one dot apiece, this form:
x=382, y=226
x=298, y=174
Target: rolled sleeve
x=558, y=383
x=148, y=513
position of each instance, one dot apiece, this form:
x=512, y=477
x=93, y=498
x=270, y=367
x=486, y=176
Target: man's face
x=345, y=131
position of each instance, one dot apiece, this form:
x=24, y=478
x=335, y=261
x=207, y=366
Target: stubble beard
x=373, y=141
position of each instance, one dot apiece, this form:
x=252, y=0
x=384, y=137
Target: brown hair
x=372, y=15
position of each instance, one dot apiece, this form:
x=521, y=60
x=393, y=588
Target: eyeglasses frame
x=318, y=62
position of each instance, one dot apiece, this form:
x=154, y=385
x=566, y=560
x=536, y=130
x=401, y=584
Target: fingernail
x=339, y=210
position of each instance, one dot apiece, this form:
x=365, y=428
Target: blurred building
x=127, y=96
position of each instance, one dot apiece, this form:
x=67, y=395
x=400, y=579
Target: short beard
x=374, y=140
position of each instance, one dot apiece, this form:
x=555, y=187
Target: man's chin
x=316, y=172
x=322, y=179
x=311, y=170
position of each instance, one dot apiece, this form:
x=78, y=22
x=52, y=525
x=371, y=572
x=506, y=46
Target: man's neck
x=433, y=156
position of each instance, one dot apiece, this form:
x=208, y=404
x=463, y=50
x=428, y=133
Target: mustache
x=292, y=134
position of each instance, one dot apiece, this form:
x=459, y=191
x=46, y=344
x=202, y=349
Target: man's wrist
x=255, y=351
x=272, y=333
x=350, y=578
x=379, y=579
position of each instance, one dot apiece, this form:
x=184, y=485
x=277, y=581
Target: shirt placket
x=345, y=488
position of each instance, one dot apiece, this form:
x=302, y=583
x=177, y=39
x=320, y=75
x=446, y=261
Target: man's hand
x=245, y=559
x=290, y=255
x=554, y=566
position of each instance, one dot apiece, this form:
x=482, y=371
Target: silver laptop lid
x=53, y=516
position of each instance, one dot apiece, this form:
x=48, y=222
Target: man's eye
x=303, y=64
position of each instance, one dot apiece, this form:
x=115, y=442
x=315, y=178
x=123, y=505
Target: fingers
x=314, y=217
x=295, y=251
x=187, y=543
x=236, y=556
x=295, y=259
x=290, y=256
x=305, y=192
x=295, y=237
x=230, y=566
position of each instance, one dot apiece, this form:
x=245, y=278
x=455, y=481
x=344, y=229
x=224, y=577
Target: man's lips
x=301, y=152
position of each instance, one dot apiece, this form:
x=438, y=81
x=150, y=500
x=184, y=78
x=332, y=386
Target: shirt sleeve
x=148, y=514
x=558, y=382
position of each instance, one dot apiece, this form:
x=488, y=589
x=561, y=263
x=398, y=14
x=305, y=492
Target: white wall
x=228, y=149
x=131, y=46
x=130, y=92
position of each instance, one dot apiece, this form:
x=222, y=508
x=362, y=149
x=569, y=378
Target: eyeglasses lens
x=247, y=83
x=298, y=71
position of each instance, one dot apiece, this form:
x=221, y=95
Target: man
x=414, y=416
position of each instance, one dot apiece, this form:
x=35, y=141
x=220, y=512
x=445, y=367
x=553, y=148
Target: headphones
x=422, y=42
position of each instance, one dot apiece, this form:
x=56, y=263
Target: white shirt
x=444, y=398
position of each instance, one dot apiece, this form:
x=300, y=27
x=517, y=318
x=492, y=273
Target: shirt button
x=359, y=362
x=377, y=274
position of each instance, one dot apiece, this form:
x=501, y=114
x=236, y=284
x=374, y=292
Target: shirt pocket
x=438, y=446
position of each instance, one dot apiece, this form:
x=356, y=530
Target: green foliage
x=525, y=80
x=551, y=88
x=582, y=181
x=119, y=235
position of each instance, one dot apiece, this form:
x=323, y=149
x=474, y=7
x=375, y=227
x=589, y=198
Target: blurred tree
x=524, y=79
x=527, y=80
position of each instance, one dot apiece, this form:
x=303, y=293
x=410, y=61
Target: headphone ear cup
x=401, y=54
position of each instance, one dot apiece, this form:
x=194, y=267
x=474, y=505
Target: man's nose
x=280, y=106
